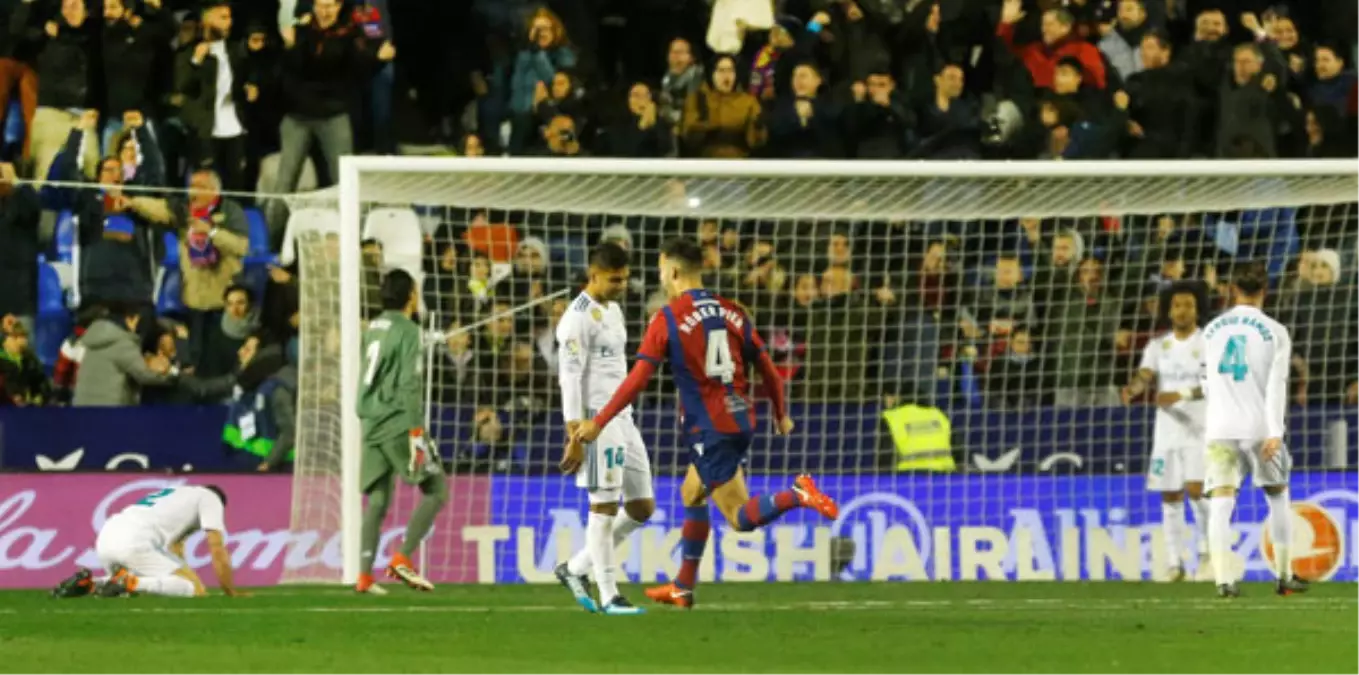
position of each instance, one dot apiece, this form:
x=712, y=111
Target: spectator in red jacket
x=1058, y=42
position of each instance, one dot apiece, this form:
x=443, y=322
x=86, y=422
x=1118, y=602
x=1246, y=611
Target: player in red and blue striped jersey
x=709, y=342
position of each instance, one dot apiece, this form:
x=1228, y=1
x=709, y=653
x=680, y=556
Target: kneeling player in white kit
x=1173, y=361
x=592, y=342
x=142, y=546
x=1246, y=382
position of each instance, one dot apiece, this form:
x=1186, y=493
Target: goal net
x=955, y=339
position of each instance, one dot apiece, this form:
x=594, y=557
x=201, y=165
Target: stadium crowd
x=240, y=98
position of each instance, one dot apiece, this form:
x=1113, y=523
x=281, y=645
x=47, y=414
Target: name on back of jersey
x=705, y=310
x=1244, y=321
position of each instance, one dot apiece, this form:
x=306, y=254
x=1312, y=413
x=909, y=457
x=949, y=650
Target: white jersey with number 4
x=1246, y=375
x=1177, y=364
x=170, y=514
x=592, y=341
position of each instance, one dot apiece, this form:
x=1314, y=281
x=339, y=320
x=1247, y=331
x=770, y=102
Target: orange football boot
x=367, y=584
x=809, y=496
x=671, y=594
x=403, y=570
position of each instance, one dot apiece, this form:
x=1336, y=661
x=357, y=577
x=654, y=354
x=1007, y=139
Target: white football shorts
x=1171, y=467
x=1229, y=461
x=616, y=465
x=128, y=542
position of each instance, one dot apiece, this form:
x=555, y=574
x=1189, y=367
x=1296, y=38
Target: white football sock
x=579, y=564
x=1200, y=509
x=1280, y=532
x=1172, y=523
x=599, y=542
x=174, y=586
x=623, y=525
x=1220, y=538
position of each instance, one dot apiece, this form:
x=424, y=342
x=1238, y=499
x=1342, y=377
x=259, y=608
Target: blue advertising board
x=923, y=527
x=830, y=438
x=112, y=439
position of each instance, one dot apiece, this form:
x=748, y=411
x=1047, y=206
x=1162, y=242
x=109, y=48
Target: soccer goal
x=955, y=339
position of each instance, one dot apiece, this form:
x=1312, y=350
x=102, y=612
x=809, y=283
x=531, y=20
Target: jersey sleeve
x=1151, y=357
x=1276, y=386
x=408, y=376
x=574, y=338
x=753, y=342
x=211, y=512
x=655, y=341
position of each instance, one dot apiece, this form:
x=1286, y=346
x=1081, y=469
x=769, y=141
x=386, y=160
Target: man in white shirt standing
x=1173, y=361
x=1246, y=383
x=212, y=79
x=142, y=546
x=592, y=364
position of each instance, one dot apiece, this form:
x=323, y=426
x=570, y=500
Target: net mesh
x=996, y=319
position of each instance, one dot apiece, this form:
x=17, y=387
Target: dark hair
x=685, y=252
x=718, y=58
x=397, y=287
x=221, y=494
x=1251, y=278
x=1072, y=63
x=249, y=297
x=123, y=310
x=1161, y=37
x=1062, y=16
x=945, y=65
x=608, y=256
x=1068, y=113
x=1334, y=49
x=371, y=242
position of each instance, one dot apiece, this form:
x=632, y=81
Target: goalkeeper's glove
x=419, y=452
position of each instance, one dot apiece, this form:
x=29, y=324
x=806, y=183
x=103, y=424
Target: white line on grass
x=1009, y=604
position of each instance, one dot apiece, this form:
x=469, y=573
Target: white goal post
x=818, y=191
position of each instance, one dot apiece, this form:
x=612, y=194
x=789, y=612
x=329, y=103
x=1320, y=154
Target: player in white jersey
x=1173, y=361
x=592, y=362
x=142, y=546
x=1245, y=378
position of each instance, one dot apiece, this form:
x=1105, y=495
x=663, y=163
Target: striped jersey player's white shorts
x=616, y=465
x=1230, y=460
x=129, y=542
x=1172, y=467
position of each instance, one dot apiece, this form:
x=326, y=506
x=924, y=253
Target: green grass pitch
x=843, y=628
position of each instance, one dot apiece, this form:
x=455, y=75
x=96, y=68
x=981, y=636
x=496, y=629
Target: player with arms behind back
x=709, y=343
x=1246, y=381
x=1173, y=361
x=392, y=412
x=592, y=343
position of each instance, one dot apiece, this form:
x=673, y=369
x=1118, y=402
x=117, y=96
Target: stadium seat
x=402, y=241
x=53, y=321
x=570, y=251
x=170, y=292
x=14, y=125
x=171, y=259
x=65, y=236
x=259, y=234
x=66, y=273
x=51, y=293
x=258, y=257
x=302, y=221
